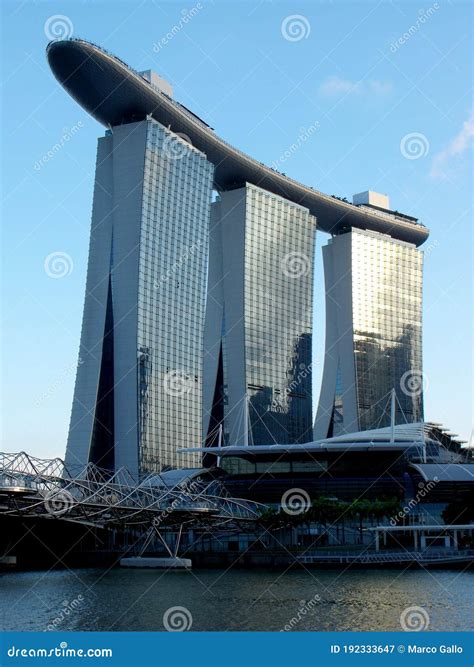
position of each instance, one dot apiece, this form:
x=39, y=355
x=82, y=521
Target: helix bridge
x=49, y=489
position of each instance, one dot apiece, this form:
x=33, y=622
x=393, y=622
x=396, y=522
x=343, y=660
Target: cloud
x=334, y=86
x=380, y=87
x=443, y=161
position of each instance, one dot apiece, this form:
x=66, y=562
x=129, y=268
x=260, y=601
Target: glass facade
x=177, y=189
x=138, y=394
x=387, y=287
x=374, y=306
x=279, y=248
x=337, y=416
x=264, y=338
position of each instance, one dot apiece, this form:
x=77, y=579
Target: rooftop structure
x=412, y=436
x=370, y=198
x=393, y=462
x=113, y=93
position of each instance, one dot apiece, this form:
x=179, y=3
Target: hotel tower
x=197, y=321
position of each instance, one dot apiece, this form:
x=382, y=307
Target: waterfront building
x=143, y=322
x=112, y=92
x=257, y=354
x=393, y=462
x=373, y=333
x=138, y=393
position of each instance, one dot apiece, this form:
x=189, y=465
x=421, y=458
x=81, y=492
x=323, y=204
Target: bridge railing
x=97, y=495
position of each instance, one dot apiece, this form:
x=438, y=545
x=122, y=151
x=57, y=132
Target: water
x=234, y=599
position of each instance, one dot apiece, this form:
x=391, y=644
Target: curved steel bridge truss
x=47, y=488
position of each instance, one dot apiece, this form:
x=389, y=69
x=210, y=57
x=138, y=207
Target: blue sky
x=365, y=74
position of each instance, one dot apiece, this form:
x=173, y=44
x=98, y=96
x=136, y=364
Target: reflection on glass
x=177, y=191
x=279, y=247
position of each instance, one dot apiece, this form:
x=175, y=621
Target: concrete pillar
x=415, y=539
x=377, y=541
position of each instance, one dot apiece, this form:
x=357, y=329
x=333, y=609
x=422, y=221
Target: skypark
x=113, y=93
